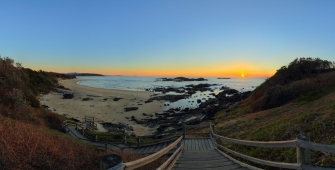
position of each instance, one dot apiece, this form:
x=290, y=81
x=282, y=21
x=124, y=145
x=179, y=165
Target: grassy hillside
x=31, y=137
x=283, y=107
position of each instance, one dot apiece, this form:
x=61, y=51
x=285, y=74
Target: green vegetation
x=304, y=78
x=299, y=98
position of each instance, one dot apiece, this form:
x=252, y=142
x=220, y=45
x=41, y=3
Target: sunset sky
x=171, y=38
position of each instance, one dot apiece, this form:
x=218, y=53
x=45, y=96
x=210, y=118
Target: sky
x=166, y=38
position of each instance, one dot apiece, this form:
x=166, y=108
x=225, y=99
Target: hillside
x=32, y=137
x=297, y=99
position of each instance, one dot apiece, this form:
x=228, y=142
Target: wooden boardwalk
x=200, y=153
x=102, y=146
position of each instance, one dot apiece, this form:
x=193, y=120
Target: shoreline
x=102, y=106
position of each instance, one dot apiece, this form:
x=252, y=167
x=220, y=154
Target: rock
x=117, y=99
x=45, y=106
x=127, y=109
x=75, y=120
x=186, y=109
x=68, y=96
x=198, y=101
x=86, y=99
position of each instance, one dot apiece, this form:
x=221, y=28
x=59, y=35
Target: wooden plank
x=186, y=144
x=196, y=144
x=192, y=144
x=210, y=143
x=206, y=144
x=201, y=147
x=204, y=159
x=205, y=164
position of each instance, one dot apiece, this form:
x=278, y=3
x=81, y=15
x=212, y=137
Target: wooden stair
x=199, y=153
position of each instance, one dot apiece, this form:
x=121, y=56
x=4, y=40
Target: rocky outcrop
x=68, y=96
x=127, y=109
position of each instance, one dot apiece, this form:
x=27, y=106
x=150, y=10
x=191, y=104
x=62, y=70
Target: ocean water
x=141, y=83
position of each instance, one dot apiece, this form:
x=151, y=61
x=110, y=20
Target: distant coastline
x=84, y=74
x=224, y=78
x=181, y=79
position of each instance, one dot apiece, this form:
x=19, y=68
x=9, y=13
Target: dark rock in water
x=104, y=99
x=127, y=117
x=231, y=91
x=118, y=127
x=180, y=79
x=75, y=120
x=144, y=114
x=86, y=99
x=68, y=96
x=186, y=109
x=117, y=99
x=127, y=109
x=171, y=98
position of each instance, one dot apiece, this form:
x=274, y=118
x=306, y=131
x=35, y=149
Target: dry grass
x=284, y=123
x=27, y=146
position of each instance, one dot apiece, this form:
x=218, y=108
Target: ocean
x=142, y=83
x=146, y=82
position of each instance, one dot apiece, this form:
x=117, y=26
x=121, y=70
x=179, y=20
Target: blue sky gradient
x=188, y=37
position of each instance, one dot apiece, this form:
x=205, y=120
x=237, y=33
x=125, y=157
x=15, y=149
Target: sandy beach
x=102, y=106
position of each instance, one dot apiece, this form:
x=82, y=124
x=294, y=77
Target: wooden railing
x=169, y=163
x=92, y=124
x=302, y=144
x=148, y=159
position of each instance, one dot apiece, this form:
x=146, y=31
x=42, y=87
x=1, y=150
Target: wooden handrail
x=260, y=161
x=274, y=144
x=171, y=158
x=152, y=157
x=317, y=146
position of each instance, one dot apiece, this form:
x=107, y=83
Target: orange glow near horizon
x=219, y=70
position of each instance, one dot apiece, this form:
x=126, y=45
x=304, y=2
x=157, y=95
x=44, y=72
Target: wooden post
x=83, y=130
x=303, y=154
x=96, y=137
x=106, y=146
x=125, y=138
x=138, y=141
x=110, y=161
x=184, y=130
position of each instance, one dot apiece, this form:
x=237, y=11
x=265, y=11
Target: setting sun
x=242, y=75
